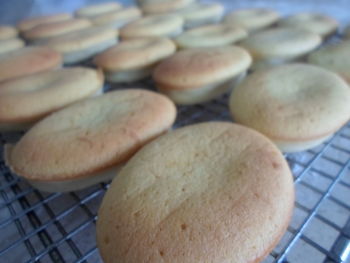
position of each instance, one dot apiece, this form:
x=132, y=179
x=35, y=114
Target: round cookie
x=335, y=57
x=199, y=14
x=29, y=23
x=86, y=142
x=210, y=36
x=211, y=192
x=117, y=19
x=44, y=31
x=25, y=100
x=200, y=74
x=82, y=44
x=252, y=19
x=163, y=6
x=298, y=106
x=316, y=23
x=28, y=60
x=134, y=59
x=10, y=44
x=279, y=45
x=7, y=32
x=153, y=26
x=97, y=9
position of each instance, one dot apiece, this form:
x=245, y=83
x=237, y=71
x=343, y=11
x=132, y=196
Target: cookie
x=316, y=23
x=25, y=100
x=279, y=45
x=153, y=26
x=117, y=19
x=29, y=23
x=53, y=29
x=298, y=106
x=134, y=59
x=200, y=74
x=97, y=9
x=335, y=57
x=28, y=60
x=210, y=36
x=211, y=192
x=252, y=19
x=82, y=44
x=87, y=142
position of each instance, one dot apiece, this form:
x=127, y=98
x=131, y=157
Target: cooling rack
x=41, y=227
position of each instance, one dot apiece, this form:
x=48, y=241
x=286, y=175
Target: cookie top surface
x=293, y=102
x=210, y=192
x=201, y=10
x=163, y=6
x=125, y=14
x=210, y=35
x=281, y=43
x=29, y=98
x=252, y=19
x=151, y=26
x=55, y=28
x=317, y=23
x=335, y=57
x=31, y=22
x=97, y=9
x=196, y=67
x=81, y=39
x=91, y=135
x=135, y=53
x=28, y=60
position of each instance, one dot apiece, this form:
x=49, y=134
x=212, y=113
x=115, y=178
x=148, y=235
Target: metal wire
x=39, y=227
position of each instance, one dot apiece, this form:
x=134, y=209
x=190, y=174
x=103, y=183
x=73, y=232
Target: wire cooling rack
x=41, y=227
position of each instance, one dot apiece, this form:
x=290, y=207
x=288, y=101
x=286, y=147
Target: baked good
x=211, y=192
x=86, y=142
x=97, y=9
x=47, y=30
x=210, y=36
x=7, y=32
x=25, y=100
x=28, y=60
x=10, y=44
x=133, y=59
x=280, y=45
x=200, y=74
x=82, y=44
x=317, y=23
x=198, y=14
x=29, y=23
x=117, y=19
x=153, y=26
x=252, y=19
x=335, y=57
x=163, y=6
x=298, y=106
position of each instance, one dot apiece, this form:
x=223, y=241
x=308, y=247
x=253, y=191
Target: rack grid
x=60, y=227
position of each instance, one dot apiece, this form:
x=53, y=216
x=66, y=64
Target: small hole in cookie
x=183, y=226
x=161, y=253
x=275, y=165
x=137, y=214
x=106, y=240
